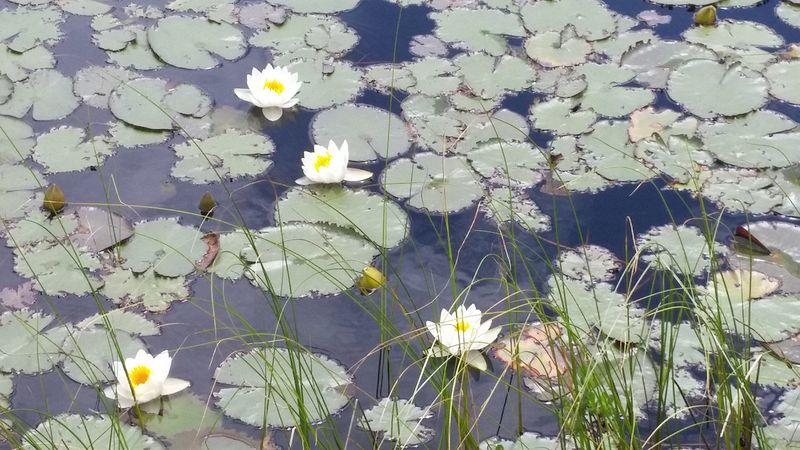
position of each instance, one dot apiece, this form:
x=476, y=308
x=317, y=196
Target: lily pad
x=481, y=30
x=155, y=293
x=313, y=6
x=511, y=205
x=58, y=269
x=85, y=7
x=151, y=103
x=560, y=117
x=734, y=34
x=558, y=48
x=272, y=384
x=75, y=432
x=232, y=154
x=136, y=53
x=528, y=440
x=490, y=77
x=324, y=84
x=89, y=353
x=16, y=140
x=124, y=135
x=17, y=66
x=66, y=149
x=654, y=60
x=608, y=150
x=25, y=28
x=589, y=264
x=95, y=83
x=370, y=216
x=518, y=163
x=782, y=79
x=371, y=133
x=195, y=42
x=399, y=421
x=25, y=346
x=789, y=13
x=324, y=33
x=169, y=248
x=47, y=92
x=590, y=19
x=38, y=226
x=432, y=182
x=605, y=96
x=760, y=139
x=681, y=248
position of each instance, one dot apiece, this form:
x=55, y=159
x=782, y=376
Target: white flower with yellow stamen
x=329, y=165
x=272, y=90
x=146, y=380
x=463, y=335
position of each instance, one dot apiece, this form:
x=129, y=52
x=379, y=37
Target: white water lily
x=329, y=165
x=147, y=378
x=463, y=335
x=272, y=89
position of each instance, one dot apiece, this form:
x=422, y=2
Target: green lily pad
x=782, y=79
x=370, y=216
x=608, y=150
x=590, y=19
x=272, y=383
x=605, y=96
x=399, y=421
x=229, y=263
x=47, y=92
x=707, y=88
x=58, y=269
x=589, y=264
x=38, y=226
x=482, y=129
x=195, y=42
x=85, y=7
x=75, y=432
x=151, y=103
x=423, y=45
x=678, y=157
x=490, y=77
x=17, y=177
x=66, y=149
x=506, y=205
x=616, y=46
x=527, y=440
x=371, y=133
x=312, y=6
x=155, y=293
x=136, y=53
x=16, y=140
x=324, y=84
x=25, y=28
x=482, y=30
x=261, y=16
x=432, y=182
x=557, y=48
x=760, y=139
x=232, y=154
x=789, y=13
x=301, y=259
x=682, y=249
x=323, y=33
x=95, y=83
x=89, y=354
x=124, y=135
x=121, y=320
x=169, y=248
x=432, y=76
x=654, y=60
x=559, y=116
x=115, y=39
x=25, y=346
x=17, y=66
x=734, y=34
x=518, y=163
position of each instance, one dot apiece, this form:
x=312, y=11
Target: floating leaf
x=58, y=269
x=21, y=297
x=608, y=150
x=229, y=264
x=169, y=248
x=152, y=104
x=398, y=420
x=313, y=6
x=539, y=353
x=647, y=122
x=489, y=77
x=154, y=292
x=25, y=346
x=124, y=135
x=369, y=215
x=557, y=48
x=363, y=128
x=75, y=432
x=654, y=60
x=560, y=117
x=589, y=18
x=528, y=440
x=707, y=88
x=99, y=229
x=325, y=33
x=16, y=66
x=681, y=248
x=605, y=96
x=780, y=239
x=519, y=163
x=85, y=7
x=589, y=264
x=232, y=154
x=194, y=42
x=66, y=149
x=89, y=354
x=782, y=79
x=432, y=182
x=789, y=13
x=734, y=34
x=424, y=45
x=135, y=53
x=16, y=140
x=481, y=30
x=95, y=83
x=322, y=87
x=39, y=226
x=23, y=28
x=760, y=139
x=511, y=205
x=272, y=383
x=47, y=92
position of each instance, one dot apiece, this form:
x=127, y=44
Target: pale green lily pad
x=66, y=149
x=95, y=83
x=605, y=96
x=490, y=77
x=653, y=61
x=261, y=16
x=151, y=103
x=232, y=154
x=782, y=79
x=423, y=45
x=557, y=48
x=481, y=30
x=200, y=6
x=737, y=189
x=16, y=140
x=115, y=39
x=6, y=88
x=518, y=163
x=324, y=84
x=169, y=248
x=760, y=139
x=313, y=6
x=707, y=88
x=647, y=122
x=302, y=259
x=608, y=150
x=597, y=306
x=678, y=157
x=371, y=133
x=484, y=128
x=272, y=383
x=506, y=205
x=25, y=28
x=526, y=441
x=85, y=7
x=47, y=92
x=188, y=421
x=571, y=173
x=58, y=269
x=324, y=33
x=124, y=135
x=16, y=177
x=229, y=263
x=75, y=432
x=121, y=320
x=616, y=46
x=682, y=249
x=432, y=182
x=789, y=13
x=561, y=82
x=90, y=353
x=155, y=293
x=734, y=34
x=17, y=66
x=399, y=421
x=195, y=42
x=38, y=226
x=25, y=347
x=137, y=53
x=589, y=264
x=433, y=76
x=560, y=117
x=590, y=18
x=370, y=216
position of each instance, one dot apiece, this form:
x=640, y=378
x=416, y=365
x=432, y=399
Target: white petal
x=272, y=113
x=173, y=385
x=291, y=102
x=110, y=392
x=475, y=359
x=151, y=407
x=246, y=95
x=432, y=328
x=357, y=175
x=304, y=181
x=437, y=351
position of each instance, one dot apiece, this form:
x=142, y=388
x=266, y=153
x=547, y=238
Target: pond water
x=542, y=104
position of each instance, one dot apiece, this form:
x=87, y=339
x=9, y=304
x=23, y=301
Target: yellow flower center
x=462, y=326
x=139, y=375
x=322, y=161
x=274, y=86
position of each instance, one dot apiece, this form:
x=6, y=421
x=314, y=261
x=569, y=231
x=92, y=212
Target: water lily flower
x=272, y=89
x=329, y=165
x=462, y=335
x=147, y=378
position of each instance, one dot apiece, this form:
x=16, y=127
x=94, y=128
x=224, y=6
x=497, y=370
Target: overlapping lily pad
x=46, y=92
x=72, y=431
x=24, y=28
x=324, y=83
x=589, y=18
x=195, y=42
x=155, y=293
x=17, y=65
x=169, y=248
x=489, y=77
x=232, y=154
x=26, y=345
x=398, y=420
x=58, y=268
x=324, y=33
x=760, y=139
x=151, y=103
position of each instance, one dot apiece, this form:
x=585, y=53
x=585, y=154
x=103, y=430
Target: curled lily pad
x=46, y=92
x=432, y=182
x=73, y=432
x=477, y=29
x=195, y=42
x=26, y=347
x=151, y=103
x=272, y=383
x=154, y=292
x=371, y=216
x=707, y=88
x=760, y=139
x=169, y=248
x=24, y=28
x=589, y=18
x=370, y=132
x=66, y=149
x=398, y=420
x=232, y=154
x=16, y=66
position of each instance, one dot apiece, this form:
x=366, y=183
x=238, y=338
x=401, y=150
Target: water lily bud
x=207, y=204
x=371, y=278
x=706, y=16
x=53, y=199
